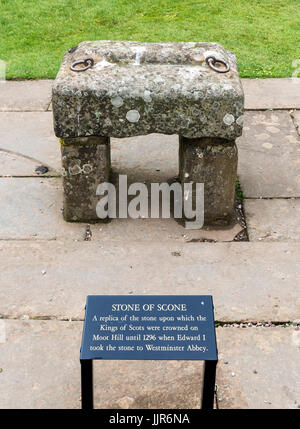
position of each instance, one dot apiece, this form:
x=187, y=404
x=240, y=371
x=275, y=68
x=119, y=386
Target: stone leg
x=212, y=161
x=85, y=164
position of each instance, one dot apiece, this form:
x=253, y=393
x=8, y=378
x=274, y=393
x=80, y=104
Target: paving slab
x=28, y=137
x=159, y=230
x=25, y=95
x=153, y=157
x=35, y=352
x=273, y=220
x=249, y=281
x=258, y=368
x=270, y=93
x=31, y=209
x=12, y=164
x=269, y=156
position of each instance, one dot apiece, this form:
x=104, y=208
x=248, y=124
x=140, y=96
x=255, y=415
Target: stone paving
x=48, y=266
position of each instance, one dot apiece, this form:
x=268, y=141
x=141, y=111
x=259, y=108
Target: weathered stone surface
x=25, y=96
x=262, y=94
x=258, y=368
x=160, y=230
x=29, y=136
x=42, y=356
x=42, y=359
x=248, y=281
x=269, y=150
x=151, y=158
x=14, y=165
x=139, y=88
x=273, y=220
x=212, y=162
x=31, y=208
x=85, y=165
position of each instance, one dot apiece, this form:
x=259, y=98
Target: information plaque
x=149, y=327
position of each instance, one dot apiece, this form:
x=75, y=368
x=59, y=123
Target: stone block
x=212, y=162
x=85, y=165
x=137, y=88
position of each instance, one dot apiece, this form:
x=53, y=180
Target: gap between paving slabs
x=218, y=323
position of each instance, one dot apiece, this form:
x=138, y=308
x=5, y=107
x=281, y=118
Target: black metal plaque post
x=209, y=381
x=119, y=343
x=87, y=390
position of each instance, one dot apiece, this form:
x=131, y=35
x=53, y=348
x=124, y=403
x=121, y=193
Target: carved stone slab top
x=136, y=88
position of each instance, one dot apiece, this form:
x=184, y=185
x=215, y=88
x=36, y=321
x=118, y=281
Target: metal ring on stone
x=88, y=62
x=211, y=61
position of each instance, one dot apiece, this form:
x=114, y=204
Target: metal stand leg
x=209, y=381
x=87, y=402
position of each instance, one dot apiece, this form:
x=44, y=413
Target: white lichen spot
x=87, y=168
x=262, y=136
x=176, y=87
x=158, y=79
x=228, y=87
x=117, y=101
x=228, y=119
x=240, y=120
x=132, y=116
x=147, y=96
x=186, y=175
x=267, y=145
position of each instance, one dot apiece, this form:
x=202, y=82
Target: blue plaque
x=149, y=327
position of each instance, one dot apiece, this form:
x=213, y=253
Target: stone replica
x=121, y=89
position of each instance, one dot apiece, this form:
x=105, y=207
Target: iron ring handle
x=88, y=62
x=211, y=61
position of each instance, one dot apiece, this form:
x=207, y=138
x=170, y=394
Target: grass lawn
x=34, y=34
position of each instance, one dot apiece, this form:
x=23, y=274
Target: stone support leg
x=212, y=161
x=85, y=164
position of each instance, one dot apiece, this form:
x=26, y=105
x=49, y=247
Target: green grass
x=34, y=34
x=239, y=191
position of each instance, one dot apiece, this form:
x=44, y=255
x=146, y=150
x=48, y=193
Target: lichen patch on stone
x=117, y=101
x=240, y=120
x=228, y=119
x=132, y=116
